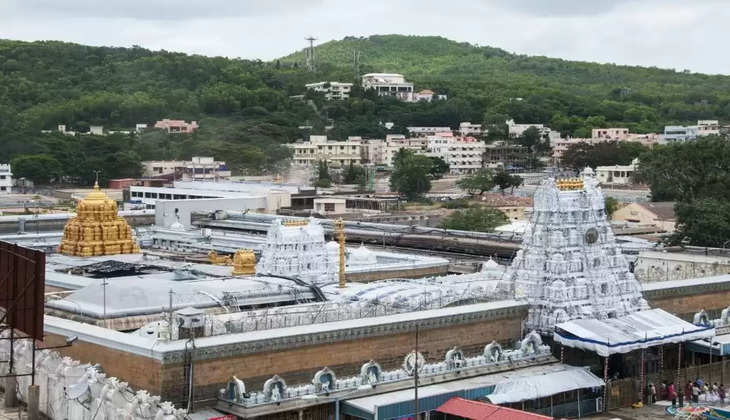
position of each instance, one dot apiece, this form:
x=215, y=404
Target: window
x=329, y=206
x=2, y=177
x=3, y=188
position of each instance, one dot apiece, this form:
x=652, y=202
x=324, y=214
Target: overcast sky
x=681, y=34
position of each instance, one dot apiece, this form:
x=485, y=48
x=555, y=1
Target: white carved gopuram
x=569, y=265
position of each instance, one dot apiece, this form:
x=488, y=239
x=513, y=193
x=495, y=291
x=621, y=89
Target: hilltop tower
x=569, y=265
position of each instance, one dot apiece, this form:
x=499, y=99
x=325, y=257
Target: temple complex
x=97, y=229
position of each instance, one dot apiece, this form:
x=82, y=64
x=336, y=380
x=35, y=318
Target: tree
x=611, y=206
x=479, y=182
x=581, y=155
x=479, y=219
x=410, y=175
x=355, y=174
x=505, y=180
x=439, y=167
x=41, y=169
x=323, y=177
x=696, y=175
x=530, y=138
x=704, y=222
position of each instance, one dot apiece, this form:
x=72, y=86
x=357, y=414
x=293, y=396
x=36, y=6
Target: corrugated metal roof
x=477, y=410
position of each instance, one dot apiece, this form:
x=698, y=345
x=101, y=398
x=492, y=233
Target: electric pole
x=310, y=54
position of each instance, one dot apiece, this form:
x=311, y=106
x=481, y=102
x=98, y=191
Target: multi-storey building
x=610, y=133
x=6, y=179
x=389, y=84
x=427, y=131
x=681, y=133
x=464, y=155
x=319, y=148
x=198, y=168
x=331, y=90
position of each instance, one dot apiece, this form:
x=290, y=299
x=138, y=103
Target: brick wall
x=139, y=371
x=344, y=358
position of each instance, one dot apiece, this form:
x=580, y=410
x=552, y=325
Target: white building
x=617, y=174
x=373, y=151
x=331, y=90
x=681, y=133
x=319, y=148
x=516, y=130
x=425, y=95
x=468, y=129
x=6, y=179
x=463, y=154
x=389, y=84
x=329, y=205
x=198, y=168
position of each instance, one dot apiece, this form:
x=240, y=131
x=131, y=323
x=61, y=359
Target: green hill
x=553, y=90
x=246, y=113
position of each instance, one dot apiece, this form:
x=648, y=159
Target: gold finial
x=340, y=226
x=244, y=262
x=96, y=182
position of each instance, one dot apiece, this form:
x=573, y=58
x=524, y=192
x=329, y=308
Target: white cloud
x=664, y=33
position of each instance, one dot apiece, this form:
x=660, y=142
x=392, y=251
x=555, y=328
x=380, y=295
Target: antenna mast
x=310, y=53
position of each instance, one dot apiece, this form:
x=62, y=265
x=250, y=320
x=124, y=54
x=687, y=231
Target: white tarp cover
x=638, y=330
x=540, y=386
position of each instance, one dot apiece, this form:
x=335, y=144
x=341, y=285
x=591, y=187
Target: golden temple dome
x=244, y=263
x=97, y=229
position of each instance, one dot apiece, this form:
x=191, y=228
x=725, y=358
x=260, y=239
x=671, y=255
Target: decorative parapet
x=687, y=287
x=325, y=382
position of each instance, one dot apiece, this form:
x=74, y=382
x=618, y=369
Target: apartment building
x=335, y=152
x=468, y=129
x=198, y=168
x=389, y=84
x=6, y=179
x=331, y=90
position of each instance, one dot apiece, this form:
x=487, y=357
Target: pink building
x=177, y=126
x=610, y=133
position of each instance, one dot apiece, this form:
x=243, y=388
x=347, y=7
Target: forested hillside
x=246, y=113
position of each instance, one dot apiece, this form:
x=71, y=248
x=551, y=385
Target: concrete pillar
x=34, y=392
x=11, y=397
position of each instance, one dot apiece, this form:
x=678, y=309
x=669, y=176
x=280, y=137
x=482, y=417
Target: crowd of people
x=694, y=392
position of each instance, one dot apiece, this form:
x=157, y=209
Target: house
x=389, y=84
x=468, y=129
x=331, y=90
x=515, y=130
x=177, y=126
x=6, y=179
x=660, y=214
x=425, y=95
x=326, y=206
x=617, y=174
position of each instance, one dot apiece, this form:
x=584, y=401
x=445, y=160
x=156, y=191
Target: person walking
x=695, y=393
x=721, y=392
x=652, y=393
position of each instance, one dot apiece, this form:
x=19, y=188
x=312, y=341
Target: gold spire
x=244, y=263
x=97, y=229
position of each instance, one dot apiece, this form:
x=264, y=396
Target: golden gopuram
x=244, y=263
x=97, y=229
